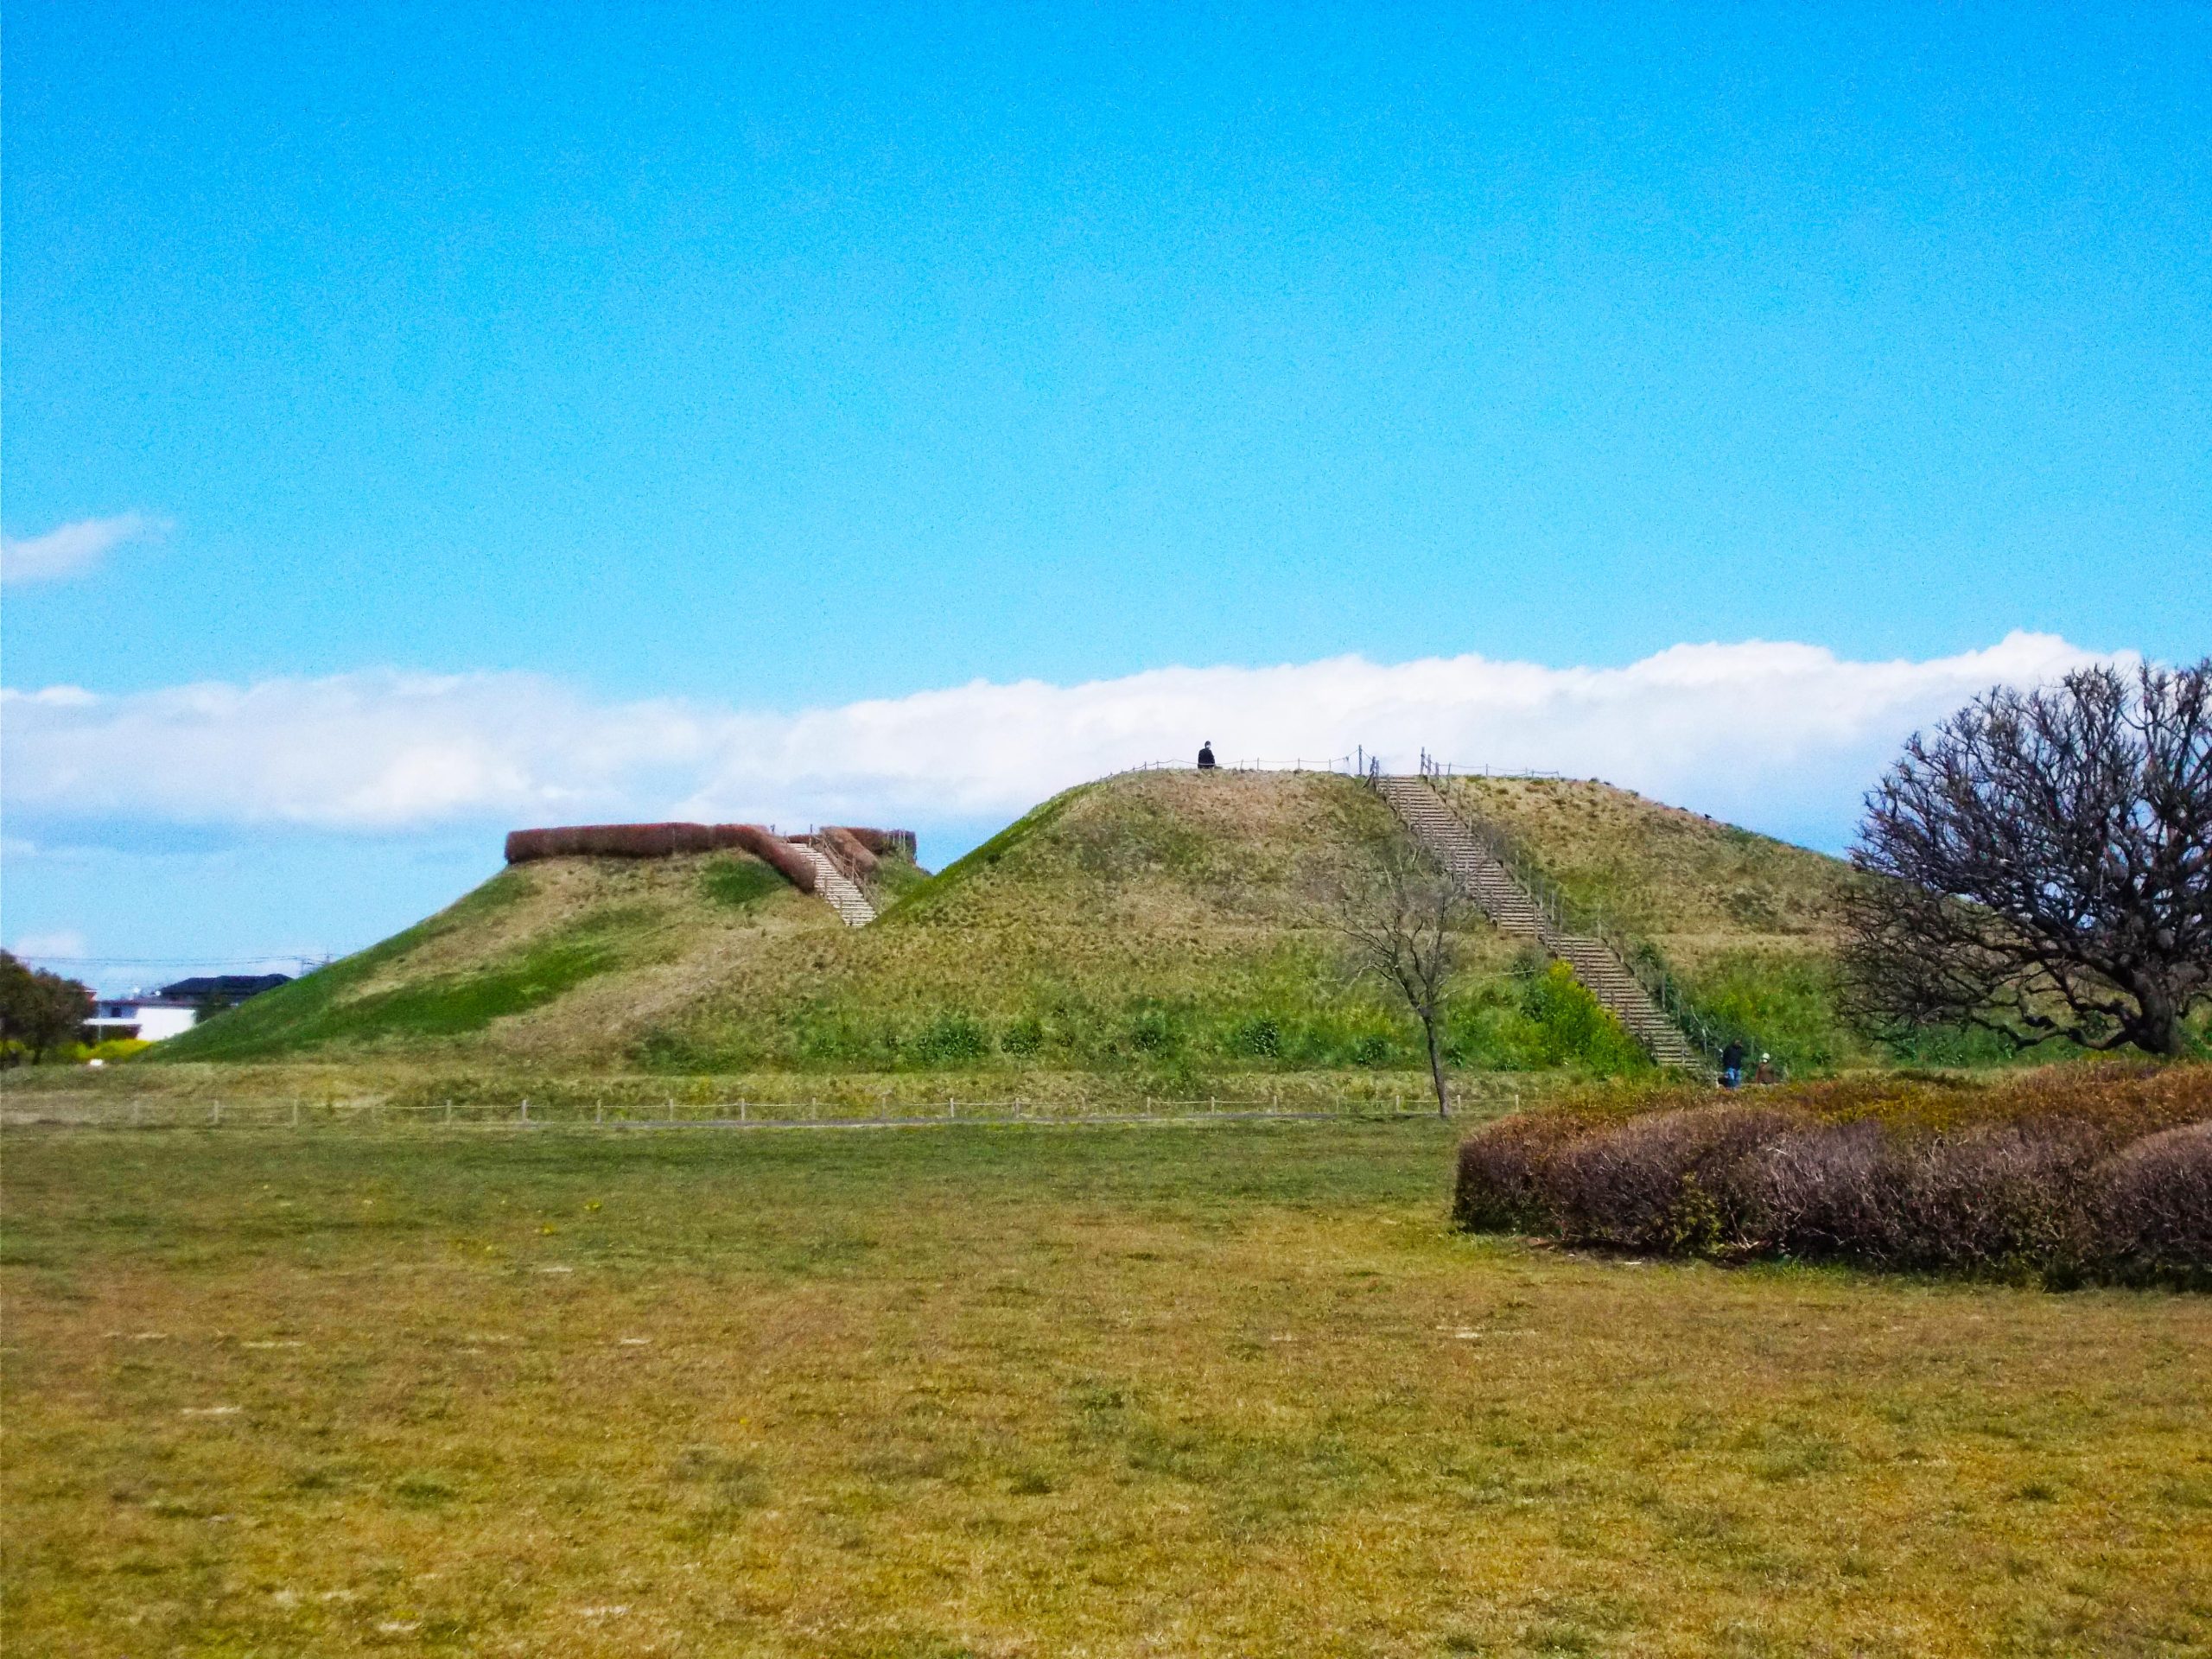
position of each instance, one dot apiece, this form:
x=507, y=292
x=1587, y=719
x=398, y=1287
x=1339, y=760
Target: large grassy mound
x=1172, y=923
x=1169, y=921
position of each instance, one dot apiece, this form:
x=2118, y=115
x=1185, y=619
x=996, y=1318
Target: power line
x=175, y=962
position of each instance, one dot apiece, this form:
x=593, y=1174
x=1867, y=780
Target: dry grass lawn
x=1221, y=1390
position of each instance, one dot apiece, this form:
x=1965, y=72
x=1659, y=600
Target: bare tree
x=2041, y=866
x=1402, y=917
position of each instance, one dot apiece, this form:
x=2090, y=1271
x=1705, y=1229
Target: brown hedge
x=847, y=851
x=661, y=841
x=884, y=843
x=2083, y=1174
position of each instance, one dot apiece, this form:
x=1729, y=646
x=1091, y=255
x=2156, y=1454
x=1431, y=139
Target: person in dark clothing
x=1732, y=1066
x=1205, y=755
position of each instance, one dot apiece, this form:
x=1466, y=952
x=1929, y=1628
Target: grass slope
x=1747, y=924
x=1169, y=922
x=1182, y=1391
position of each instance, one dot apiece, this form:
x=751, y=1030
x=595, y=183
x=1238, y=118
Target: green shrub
x=1023, y=1037
x=1572, y=1027
x=836, y=1038
x=1372, y=1050
x=1955, y=1046
x=1155, y=1030
x=1257, y=1037
x=952, y=1039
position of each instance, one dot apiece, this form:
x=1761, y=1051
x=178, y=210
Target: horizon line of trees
x=40, y=1011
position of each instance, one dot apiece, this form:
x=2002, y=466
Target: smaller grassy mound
x=2065, y=1174
x=547, y=959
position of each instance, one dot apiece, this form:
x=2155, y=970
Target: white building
x=149, y=1018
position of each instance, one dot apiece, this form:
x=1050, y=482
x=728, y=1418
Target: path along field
x=1230, y=1389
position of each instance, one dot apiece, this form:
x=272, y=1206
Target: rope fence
x=671, y=1113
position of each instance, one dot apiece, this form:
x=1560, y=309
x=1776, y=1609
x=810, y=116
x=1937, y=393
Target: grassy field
x=1218, y=1390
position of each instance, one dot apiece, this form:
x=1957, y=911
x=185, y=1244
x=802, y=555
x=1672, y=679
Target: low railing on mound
x=1342, y=765
x=1487, y=1097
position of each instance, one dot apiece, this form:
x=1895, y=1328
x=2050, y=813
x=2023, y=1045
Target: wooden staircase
x=1515, y=911
x=838, y=890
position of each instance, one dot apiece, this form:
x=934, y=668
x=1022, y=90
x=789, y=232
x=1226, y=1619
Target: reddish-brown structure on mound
x=847, y=851
x=659, y=841
x=884, y=843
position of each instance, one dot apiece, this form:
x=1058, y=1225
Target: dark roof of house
x=230, y=987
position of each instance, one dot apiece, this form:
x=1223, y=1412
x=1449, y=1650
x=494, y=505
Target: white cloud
x=1782, y=736
x=71, y=551
x=64, y=946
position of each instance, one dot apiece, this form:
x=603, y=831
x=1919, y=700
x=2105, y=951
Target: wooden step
x=837, y=890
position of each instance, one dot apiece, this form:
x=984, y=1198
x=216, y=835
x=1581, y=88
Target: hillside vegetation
x=1171, y=924
x=1747, y=925
x=1168, y=921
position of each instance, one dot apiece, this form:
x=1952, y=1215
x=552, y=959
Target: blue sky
x=750, y=363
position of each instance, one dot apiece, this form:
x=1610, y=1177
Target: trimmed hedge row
x=660, y=840
x=851, y=854
x=2060, y=1198
x=884, y=843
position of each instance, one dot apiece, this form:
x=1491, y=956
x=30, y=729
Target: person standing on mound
x=1205, y=755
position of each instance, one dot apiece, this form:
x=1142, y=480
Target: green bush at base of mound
x=1783, y=1005
x=2061, y=1176
x=1536, y=1020
x=107, y=1049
